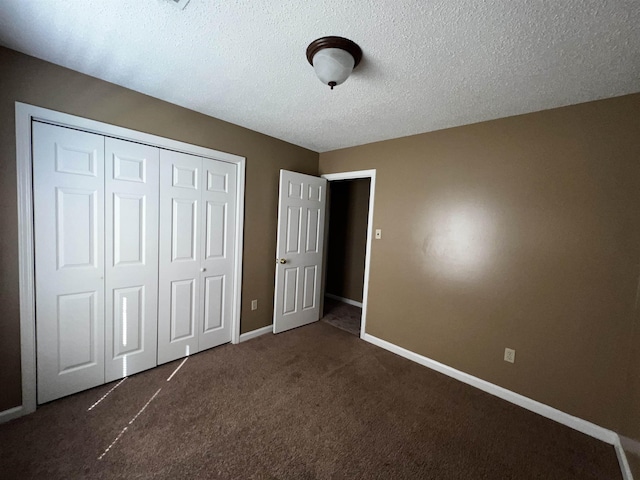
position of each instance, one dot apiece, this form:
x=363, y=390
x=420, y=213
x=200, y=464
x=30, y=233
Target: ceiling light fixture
x=333, y=59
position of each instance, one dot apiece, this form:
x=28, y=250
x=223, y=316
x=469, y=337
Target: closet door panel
x=218, y=252
x=68, y=185
x=131, y=238
x=180, y=255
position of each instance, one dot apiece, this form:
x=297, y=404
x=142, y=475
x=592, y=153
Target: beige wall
x=522, y=232
x=32, y=81
x=349, y=207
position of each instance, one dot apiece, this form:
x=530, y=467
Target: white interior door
x=218, y=252
x=68, y=180
x=300, y=245
x=180, y=255
x=131, y=263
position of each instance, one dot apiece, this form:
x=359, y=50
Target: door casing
x=25, y=114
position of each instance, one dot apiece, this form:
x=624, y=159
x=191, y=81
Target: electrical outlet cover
x=509, y=355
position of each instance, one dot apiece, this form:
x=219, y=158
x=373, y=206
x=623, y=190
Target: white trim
x=100, y=128
x=11, y=413
x=353, y=175
x=622, y=458
x=588, y=428
x=256, y=333
x=237, y=287
x=25, y=114
x=344, y=300
x=367, y=255
x=26, y=260
x=630, y=445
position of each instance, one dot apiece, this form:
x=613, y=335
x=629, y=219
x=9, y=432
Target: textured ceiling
x=427, y=65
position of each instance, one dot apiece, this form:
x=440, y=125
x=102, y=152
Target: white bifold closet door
x=131, y=257
x=135, y=252
x=68, y=186
x=197, y=251
x=96, y=243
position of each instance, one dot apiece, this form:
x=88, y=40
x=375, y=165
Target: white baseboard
x=622, y=454
x=588, y=428
x=11, y=413
x=344, y=300
x=630, y=445
x=256, y=333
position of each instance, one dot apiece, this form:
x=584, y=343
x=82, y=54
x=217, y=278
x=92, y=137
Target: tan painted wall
x=32, y=81
x=522, y=232
x=347, y=238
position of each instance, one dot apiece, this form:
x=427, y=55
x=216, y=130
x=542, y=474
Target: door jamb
x=25, y=114
x=367, y=256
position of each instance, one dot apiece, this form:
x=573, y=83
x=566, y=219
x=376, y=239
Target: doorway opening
x=348, y=244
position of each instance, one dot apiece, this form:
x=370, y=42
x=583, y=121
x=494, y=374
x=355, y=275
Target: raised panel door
x=218, y=252
x=180, y=255
x=68, y=185
x=131, y=263
x=301, y=213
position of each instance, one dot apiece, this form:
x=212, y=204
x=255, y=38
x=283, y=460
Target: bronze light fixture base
x=333, y=59
x=335, y=42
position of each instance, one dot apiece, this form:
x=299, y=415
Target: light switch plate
x=254, y=304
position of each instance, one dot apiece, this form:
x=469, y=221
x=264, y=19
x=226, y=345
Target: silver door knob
x=282, y=261
x=203, y=269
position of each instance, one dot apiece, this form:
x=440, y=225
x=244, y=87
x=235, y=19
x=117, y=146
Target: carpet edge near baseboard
x=576, y=423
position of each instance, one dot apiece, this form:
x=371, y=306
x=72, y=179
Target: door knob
x=203, y=269
x=282, y=261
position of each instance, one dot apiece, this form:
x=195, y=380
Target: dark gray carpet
x=311, y=403
x=342, y=315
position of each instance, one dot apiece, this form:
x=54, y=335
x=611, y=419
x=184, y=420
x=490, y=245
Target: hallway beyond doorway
x=342, y=315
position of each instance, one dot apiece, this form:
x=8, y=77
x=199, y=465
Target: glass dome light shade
x=333, y=65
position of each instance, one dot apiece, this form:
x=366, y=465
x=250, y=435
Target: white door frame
x=367, y=256
x=25, y=114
